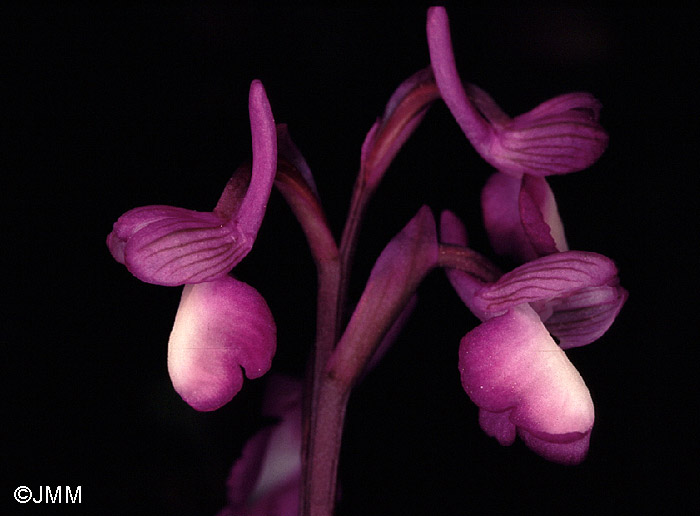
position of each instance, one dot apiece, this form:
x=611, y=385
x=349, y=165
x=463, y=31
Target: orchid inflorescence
x=513, y=365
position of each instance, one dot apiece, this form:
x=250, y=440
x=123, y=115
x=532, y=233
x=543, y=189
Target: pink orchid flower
x=510, y=365
x=222, y=324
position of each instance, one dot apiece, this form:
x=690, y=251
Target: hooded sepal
x=172, y=246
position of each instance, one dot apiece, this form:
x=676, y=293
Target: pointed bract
x=404, y=112
x=398, y=271
x=220, y=327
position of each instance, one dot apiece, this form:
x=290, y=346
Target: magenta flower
x=222, y=324
x=559, y=136
x=510, y=365
x=175, y=246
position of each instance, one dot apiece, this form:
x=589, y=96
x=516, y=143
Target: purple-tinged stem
x=308, y=211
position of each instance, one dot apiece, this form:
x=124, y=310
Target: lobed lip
x=220, y=326
x=514, y=371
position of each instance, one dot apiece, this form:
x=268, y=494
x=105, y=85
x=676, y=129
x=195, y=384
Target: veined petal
x=549, y=277
x=559, y=136
x=511, y=365
x=220, y=327
x=172, y=246
x=584, y=316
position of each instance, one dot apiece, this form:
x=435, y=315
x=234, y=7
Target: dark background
x=112, y=108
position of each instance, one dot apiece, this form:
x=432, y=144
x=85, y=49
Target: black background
x=116, y=107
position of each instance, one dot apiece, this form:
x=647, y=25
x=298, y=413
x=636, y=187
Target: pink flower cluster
x=513, y=365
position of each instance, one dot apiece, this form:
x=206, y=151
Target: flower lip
x=514, y=371
x=220, y=326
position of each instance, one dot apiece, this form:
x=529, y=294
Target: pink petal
x=498, y=425
x=510, y=364
x=540, y=218
x=561, y=135
x=476, y=129
x=521, y=217
x=172, y=246
x=499, y=204
x=584, y=316
x=549, y=277
x=264, y=134
x=220, y=327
